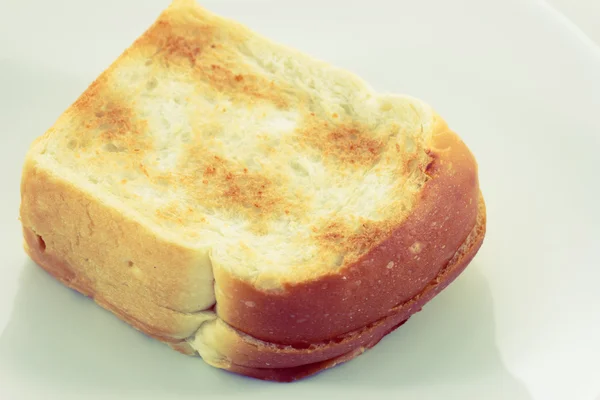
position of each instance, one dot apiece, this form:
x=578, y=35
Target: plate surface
x=516, y=79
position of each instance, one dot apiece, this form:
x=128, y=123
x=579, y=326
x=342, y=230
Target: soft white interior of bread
x=167, y=163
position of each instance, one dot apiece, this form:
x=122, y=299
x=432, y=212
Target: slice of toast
x=242, y=201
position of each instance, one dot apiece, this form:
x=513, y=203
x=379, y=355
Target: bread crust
x=249, y=356
x=390, y=274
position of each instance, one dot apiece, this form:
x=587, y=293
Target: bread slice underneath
x=238, y=199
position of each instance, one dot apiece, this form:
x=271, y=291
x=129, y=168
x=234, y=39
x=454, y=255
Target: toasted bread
x=240, y=200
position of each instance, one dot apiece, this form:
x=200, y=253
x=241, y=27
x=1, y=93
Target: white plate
x=513, y=77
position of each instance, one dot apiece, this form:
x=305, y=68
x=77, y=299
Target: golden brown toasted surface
x=270, y=160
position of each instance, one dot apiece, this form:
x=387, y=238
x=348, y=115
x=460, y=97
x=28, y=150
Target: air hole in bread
x=162, y=181
x=186, y=137
x=112, y=148
x=130, y=264
x=298, y=168
x=348, y=108
x=316, y=157
x=409, y=144
x=99, y=114
x=72, y=144
x=385, y=106
x=152, y=83
x=41, y=243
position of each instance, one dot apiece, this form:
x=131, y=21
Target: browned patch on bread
x=180, y=46
x=108, y=119
x=216, y=183
x=243, y=86
x=348, y=143
x=352, y=241
x=196, y=42
x=117, y=121
x=241, y=189
x=176, y=40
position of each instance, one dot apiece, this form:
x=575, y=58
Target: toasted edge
x=391, y=273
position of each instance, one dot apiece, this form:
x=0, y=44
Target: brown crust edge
x=391, y=273
x=246, y=353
